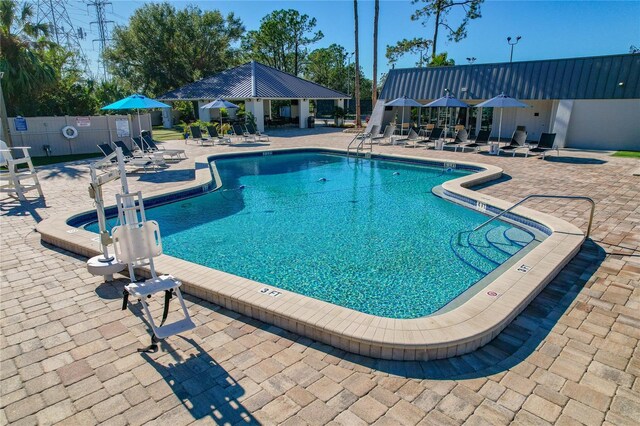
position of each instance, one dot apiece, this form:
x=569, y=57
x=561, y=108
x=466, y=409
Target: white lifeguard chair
x=13, y=180
x=136, y=242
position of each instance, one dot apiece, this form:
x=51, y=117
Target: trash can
x=311, y=122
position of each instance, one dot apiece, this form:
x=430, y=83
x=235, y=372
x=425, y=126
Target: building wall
x=605, y=124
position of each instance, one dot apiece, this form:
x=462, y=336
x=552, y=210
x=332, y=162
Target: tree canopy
x=439, y=10
x=282, y=40
x=330, y=67
x=163, y=48
x=23, y=44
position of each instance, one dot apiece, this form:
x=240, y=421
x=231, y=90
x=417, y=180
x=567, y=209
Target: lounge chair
x=546, y=143
x=217, y=137
x=375, y=130
x=518, y=141
x=155, y=158
x=482, y=139
x=153, y=147
x=241, y=133
x=138, y=163
x=257, y=133
x=412, y=137
x=196, y=134
x=386, y=136
x=435, y=135
x=461, y=138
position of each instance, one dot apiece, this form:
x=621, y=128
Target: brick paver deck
x=68, y=353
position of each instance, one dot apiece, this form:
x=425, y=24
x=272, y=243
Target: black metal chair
x=546, y=143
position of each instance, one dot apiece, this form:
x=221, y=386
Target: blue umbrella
x=502, y=101
x=447, y=101
x=136, y=102
x=403, y=102
x=217, y=104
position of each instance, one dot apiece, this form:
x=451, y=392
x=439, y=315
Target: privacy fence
x=74, y=134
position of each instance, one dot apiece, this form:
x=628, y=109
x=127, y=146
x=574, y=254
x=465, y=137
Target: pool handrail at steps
x=528, y=197
x=362, y=136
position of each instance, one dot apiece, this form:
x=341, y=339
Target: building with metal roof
x=591, y=102
x=256, y=84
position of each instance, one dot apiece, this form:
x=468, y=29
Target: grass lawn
x=161, y=134
x=627, y=154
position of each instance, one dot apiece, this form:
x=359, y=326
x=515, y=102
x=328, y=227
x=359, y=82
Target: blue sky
x=549, y=29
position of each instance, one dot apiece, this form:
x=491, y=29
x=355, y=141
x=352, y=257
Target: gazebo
x=256, y=85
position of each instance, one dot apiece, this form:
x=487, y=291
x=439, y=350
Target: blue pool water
x=364, y=234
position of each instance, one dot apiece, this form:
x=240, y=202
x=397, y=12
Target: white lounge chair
x=387, y=136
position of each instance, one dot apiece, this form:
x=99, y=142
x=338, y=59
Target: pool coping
x=455, y=332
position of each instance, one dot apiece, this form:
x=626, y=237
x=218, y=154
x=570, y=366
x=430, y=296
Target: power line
x=103, y=32
x=54, y=13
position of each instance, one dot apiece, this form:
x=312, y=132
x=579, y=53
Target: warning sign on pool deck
x=269, y=292
x=83, y=121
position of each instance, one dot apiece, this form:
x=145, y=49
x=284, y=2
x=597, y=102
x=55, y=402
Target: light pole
x=512, y=44
x=349, y=56
x=471, y=60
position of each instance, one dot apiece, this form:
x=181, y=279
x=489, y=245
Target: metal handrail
x=570, y=197
x=362, y=140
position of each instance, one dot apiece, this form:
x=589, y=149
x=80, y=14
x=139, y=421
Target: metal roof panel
x=572, y=78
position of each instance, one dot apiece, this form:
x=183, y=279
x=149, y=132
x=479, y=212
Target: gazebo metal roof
x=252, y=80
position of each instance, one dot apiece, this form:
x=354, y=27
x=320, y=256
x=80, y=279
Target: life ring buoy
x=69, y=132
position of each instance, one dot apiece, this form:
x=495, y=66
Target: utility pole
x=103, y=34
x=55, y=14
x=512, y=44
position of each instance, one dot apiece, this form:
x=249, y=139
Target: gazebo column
x=303, y=105
x=256, y=107
x=266, y=104
x=339, y=103
x=204, y=114
x=167, y=117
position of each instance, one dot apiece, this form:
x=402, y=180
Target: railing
x=569, y=197
x=362, y=137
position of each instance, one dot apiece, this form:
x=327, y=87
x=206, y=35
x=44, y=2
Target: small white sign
x=481, y=207
x=83, y=121
x=122, y=127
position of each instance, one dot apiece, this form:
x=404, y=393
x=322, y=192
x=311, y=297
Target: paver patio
x=68, y=353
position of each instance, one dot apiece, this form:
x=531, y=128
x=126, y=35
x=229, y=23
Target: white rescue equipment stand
x=105, y=264
x=136, y=242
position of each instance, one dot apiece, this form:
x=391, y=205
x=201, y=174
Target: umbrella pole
x=402, y=123
x=139, y=124
x=500, y=127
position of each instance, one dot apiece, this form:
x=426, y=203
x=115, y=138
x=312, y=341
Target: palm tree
x=357, y=66
x=22, y=43
x=374, y=84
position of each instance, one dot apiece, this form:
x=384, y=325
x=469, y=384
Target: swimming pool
x=364, y=234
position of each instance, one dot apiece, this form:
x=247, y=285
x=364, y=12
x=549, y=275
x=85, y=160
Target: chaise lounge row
x=431, y=137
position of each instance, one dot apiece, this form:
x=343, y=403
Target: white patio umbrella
x=218, y=104
x=502, y=101
x=403, y=102
x=447, y=101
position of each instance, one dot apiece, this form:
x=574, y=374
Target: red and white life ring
x=69, y=132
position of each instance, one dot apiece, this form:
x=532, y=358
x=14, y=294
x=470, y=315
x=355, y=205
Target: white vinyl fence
x=44, y=134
